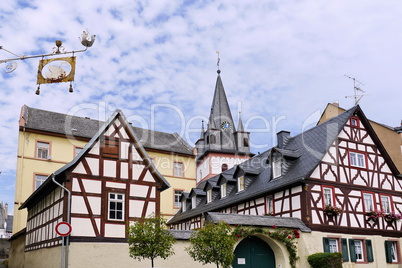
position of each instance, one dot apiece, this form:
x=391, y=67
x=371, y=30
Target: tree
x=213, y=243
x=149, y=239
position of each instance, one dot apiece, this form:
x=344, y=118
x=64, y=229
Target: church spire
x=202, y=136
x=240, y=126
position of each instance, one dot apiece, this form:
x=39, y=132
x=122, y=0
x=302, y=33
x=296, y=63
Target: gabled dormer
x=184, y=201
x=212, y=191
x=196, y=196
x=226, y=183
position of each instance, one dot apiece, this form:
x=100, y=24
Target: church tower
x=221, y=146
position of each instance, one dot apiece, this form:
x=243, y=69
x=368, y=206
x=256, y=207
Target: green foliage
x=213, y=243
x=149, y=239
x=285, y=236
x=5, y=263
x=325, y=260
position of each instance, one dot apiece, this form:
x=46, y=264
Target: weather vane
x=356, y=89
x=48, y=71
x=219, y=59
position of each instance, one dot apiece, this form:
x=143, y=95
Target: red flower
x=273, y=226
x=289, y=237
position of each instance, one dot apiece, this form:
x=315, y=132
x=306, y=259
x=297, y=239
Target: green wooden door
x=252, y=252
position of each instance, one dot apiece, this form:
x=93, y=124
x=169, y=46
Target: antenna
x=356, y=89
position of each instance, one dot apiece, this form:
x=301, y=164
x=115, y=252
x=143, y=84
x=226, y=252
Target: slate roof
x=181, y=234
x=308, y=148
x=59, y=175
x=84, y=127
x=255, y=220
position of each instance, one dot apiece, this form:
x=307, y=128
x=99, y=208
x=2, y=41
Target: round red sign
x=63, y=228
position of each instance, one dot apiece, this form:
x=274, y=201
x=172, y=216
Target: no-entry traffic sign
x=63, y=228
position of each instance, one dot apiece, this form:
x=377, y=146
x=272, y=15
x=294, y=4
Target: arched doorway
x=252, y=252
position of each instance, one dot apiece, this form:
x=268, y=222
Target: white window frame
x=357, y=159
x=193, y=202
x=113, y=198
x=240, y=184
x=277, y=167
x=223, y=190
x=359, y=249
x=39, y=180
x=333, y=245
x=42, y=150
x=368, y=200
x=270, y=204
x=178, y=169
x=386, y=203
x=177, y=195
x=328, y=196
x=184, y=205
x=209, y=196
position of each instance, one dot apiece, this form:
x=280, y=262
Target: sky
x=281, y=62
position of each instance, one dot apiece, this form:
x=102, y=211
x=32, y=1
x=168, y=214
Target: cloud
x=278, y=59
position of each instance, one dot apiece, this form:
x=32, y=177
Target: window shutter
x=325, y=241
x=388, y=251
x=369, y=249
x=345, y=253
x=352, y=250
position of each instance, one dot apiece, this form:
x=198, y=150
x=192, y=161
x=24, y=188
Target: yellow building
x=391, y=137
x=49, y=140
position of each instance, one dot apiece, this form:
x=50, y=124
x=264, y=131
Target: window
x=209, y=196
x=269, y=205
x=332, y=244
x=178, y=169
x=116, y=206
x=39, y=179
x=245, y=142
x=357, y=159
x=328, y=196
x=277, y=167
x=223, y=190
x=368, y=202
x=240, y=184
x=42, y=150
x=184, y=205
x=193, y=202
x=361, y=250
x=212, y=139
x=354, y=122
x=224, y=167
x=111, y=148
x=386, y=203
x=392, y=251
x=177, y=195
x=77, y=150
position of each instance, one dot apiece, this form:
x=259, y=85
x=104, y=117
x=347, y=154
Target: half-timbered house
x=109, y=184
x=337, y=178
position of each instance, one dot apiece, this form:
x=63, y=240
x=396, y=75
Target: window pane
x=385, y=204
x=178, y=169
x=333, y=245
x=328, y=196
x=359, y=250
x=394, y=251
x=368, y=202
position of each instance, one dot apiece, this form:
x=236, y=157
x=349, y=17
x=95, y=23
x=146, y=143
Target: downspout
x=67, y=238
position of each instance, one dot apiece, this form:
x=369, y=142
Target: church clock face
x=226, y=125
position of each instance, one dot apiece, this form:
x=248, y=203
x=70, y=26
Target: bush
x=325, y=260
x=5, y=263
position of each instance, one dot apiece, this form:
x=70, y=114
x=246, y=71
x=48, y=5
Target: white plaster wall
x=109, y=168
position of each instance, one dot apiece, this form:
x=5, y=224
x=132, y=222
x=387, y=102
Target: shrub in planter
x=325, y=260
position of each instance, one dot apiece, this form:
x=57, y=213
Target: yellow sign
x=56, y=70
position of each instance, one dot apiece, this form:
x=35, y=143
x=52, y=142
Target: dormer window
x=193, y=202
x=209, y=196
x=277, y=166
x=183, y=205
x=240, y=184
x=223, y=190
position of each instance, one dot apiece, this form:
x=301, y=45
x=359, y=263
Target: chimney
x=6, y=211
x=282, y=137
x=335, y=104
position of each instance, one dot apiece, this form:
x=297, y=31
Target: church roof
x=304, y=152
x=85, y=128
